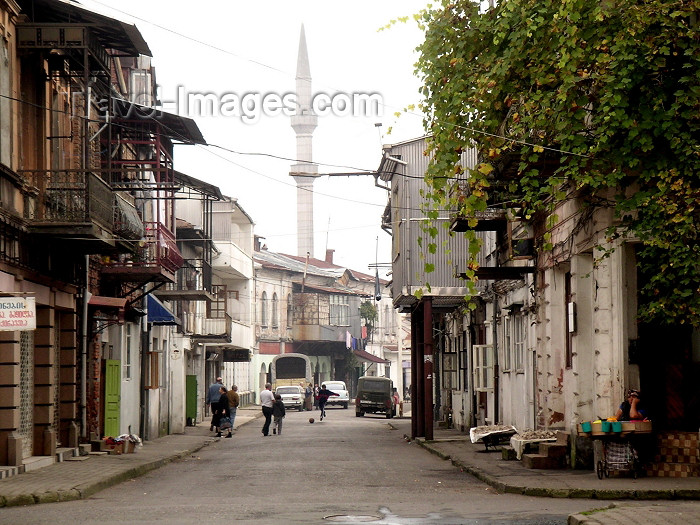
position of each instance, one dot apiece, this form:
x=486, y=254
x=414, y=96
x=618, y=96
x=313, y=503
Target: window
x=340, y=310
x=5, y=106
x=127, y=353
x=514, y=339
x=508, y=344
x=449, y=367
x=483, y=368
x=263, y=312
x=519, y=340
x=569, y=327
x=275, y=322
x=153, y=372
x=290, y=311
x=217, y=307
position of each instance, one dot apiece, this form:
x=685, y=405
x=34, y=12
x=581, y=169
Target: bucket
x=617, y=426
x=586, y=426
x=606, y=426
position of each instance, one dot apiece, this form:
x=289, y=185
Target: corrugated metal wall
x=409, y=222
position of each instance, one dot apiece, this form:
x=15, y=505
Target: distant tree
x=368, y=312
x=595, y=99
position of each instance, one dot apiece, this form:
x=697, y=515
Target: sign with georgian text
x=17, y=313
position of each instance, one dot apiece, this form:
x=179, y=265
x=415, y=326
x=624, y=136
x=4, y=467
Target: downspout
x=84, y=352
x=145, y=341
x=496, y=385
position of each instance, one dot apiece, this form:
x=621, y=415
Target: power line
x=267, y=66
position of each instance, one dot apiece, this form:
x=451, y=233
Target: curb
x=88, y=489
x=600, y=494
x=587, y=519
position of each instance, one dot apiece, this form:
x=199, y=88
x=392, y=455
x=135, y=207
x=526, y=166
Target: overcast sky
x=240, y=47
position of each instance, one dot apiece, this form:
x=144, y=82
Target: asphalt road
x=342, y=470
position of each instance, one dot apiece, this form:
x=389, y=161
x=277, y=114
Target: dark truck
x=374, y=396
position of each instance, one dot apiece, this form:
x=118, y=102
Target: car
x=374, y=395
x=339, y=388
x=292, y=396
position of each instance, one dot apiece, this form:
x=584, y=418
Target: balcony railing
x=72, y=197
x=157, y=257
x=195, y=274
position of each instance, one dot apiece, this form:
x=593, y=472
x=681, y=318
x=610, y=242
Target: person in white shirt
x=267, y=399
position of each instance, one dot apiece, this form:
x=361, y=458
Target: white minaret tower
x=304, y=122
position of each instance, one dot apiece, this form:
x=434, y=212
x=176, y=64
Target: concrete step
x=540, y=461
x=553, y=450
x=78, y=458
x=508, y=453
x=85, y=448
x=63, y=454
x=7, y=472
x=37, y=462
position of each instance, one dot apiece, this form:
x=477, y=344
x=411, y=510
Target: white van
x=339, y=388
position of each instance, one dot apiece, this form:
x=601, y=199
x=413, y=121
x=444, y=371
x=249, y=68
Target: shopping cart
x=618, y=455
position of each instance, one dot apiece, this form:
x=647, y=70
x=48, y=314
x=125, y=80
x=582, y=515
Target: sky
x=234, y=48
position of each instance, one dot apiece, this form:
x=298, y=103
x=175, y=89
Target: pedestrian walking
x=213, y=397
x=323, y=396
x=267, y=399
x=219, y=410
x=278, y=412
x=309, y=397
x=233, y=401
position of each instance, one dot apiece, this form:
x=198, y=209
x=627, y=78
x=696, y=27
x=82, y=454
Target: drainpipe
x=84, y=352
x=145, y=342
x=496, y=386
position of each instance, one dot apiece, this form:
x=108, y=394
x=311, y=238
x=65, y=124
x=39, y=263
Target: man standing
x=213, y=397
x=233, y=401
x=267, y=399
x=309, y=397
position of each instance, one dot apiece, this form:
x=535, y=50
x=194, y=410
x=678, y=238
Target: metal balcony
x=73, y=204
x=193, y=283
x=155, y=260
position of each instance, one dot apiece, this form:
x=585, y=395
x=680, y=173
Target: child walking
x=278, y=412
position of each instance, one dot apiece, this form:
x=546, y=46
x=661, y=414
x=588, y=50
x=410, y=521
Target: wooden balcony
x=155, y=260
x=76, y=205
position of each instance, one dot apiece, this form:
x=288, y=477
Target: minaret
x=304, y=122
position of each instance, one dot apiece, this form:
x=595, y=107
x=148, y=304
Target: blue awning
x=158, y=314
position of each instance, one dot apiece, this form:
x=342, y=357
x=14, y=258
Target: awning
x=111, y=33
x=199, y=185
x=106, y=303
x=182, y=129
x=366, y=356
x=158, y=314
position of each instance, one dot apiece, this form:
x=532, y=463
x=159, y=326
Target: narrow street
x=342, y=470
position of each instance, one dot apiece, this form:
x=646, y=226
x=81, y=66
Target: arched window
x=275, y=316
x=263, y=312
x=290, y=311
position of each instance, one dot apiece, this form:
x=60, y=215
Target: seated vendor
x=632, y=409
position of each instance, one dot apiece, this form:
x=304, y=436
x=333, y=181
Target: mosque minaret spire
x=304, y=122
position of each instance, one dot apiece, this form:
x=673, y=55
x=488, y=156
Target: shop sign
x=17, y=313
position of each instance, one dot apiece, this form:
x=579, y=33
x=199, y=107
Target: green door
x=191, y=399
x=112, y=395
